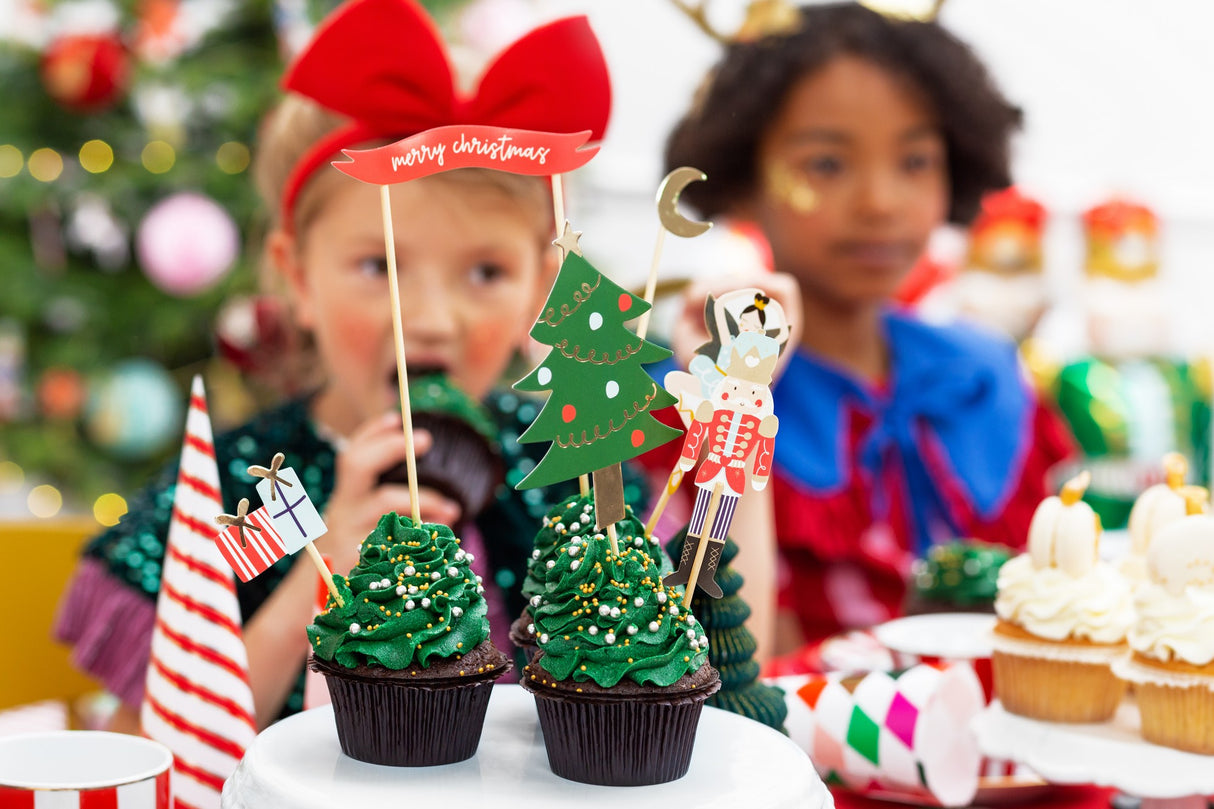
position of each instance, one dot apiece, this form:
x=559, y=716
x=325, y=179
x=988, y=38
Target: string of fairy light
x=97, y=157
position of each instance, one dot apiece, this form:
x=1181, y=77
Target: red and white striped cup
x=76, y=769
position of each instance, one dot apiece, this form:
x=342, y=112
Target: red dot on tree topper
x=638, y=438
x=568, y=413
x=625, y=302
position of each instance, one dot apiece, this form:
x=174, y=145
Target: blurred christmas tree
x=127, y=218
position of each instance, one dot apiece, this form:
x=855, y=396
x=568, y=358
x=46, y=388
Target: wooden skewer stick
x=615, y=542
x=672, y=486
x=651, y=285
x=402, y=371
x=558, y=215
x=325, y=573
x=714, y=502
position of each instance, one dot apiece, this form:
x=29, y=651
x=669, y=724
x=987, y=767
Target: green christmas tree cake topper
x=601, y=408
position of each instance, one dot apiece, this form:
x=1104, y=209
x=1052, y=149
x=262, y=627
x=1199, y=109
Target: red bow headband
x=383, y=64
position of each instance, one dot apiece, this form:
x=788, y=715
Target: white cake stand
x=1111, y=754
x=736, y=762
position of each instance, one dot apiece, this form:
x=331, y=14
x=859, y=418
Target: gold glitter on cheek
x=790, y=188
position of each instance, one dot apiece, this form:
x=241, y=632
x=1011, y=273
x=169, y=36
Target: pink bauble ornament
x=187, y=243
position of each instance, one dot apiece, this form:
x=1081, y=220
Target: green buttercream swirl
x=397, y=612
x=574, y=517
x=584, y=639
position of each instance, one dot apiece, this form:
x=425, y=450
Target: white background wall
x=1117, y=100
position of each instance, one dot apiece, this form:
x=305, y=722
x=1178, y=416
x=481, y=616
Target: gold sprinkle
x=459, y=645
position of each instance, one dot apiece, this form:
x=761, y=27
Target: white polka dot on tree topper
x=544, y=375
x=613, y=389
x=596, y=320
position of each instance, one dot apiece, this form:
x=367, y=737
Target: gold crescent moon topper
x=668, y=197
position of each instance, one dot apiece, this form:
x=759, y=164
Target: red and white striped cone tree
x=198, y=702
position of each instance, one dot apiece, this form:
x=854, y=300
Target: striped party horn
x=880, y=732
x=75, y=769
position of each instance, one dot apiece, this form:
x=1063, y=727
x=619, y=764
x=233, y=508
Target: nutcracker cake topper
x=727, y=402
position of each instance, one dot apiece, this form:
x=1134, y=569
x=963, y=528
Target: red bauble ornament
x=86, y=72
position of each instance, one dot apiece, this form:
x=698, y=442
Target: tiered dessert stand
x=737, y=762
x=1111, y=754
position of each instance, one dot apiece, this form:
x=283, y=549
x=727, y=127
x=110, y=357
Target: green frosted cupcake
x=956, y=576
x=572, y=517
x=622, y=669
x=408, y=659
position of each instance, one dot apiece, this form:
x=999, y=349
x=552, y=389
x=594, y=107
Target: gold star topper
x=568, y=242
x=271, y=474
x=238, y=520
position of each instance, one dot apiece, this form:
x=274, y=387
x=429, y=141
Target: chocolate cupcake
x=408, y=659
x=463, y=463
x=572, y=517
x=622, y=670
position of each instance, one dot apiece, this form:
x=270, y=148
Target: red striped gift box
x=262, y=545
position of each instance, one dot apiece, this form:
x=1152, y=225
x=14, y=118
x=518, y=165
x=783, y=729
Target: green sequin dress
x=109, y=609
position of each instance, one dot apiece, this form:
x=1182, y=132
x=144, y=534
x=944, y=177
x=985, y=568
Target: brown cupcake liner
x=1182, y=718
x=624, y=741
x=1056, y=690
x=408, y=723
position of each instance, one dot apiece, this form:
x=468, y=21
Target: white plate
x=1111, y=754
x=736, y=762
x=949, y=635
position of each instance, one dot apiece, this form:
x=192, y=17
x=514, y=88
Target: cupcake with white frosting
x=1156, y=507
x=1171, y=660
x=1063, y=618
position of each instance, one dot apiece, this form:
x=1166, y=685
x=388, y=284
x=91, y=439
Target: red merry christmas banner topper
x=444, y=148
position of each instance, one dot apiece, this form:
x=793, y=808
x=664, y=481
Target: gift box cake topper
x=287, y=522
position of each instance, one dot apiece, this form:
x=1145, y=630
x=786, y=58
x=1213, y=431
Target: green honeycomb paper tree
x=731, y=647
x=601, y=404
